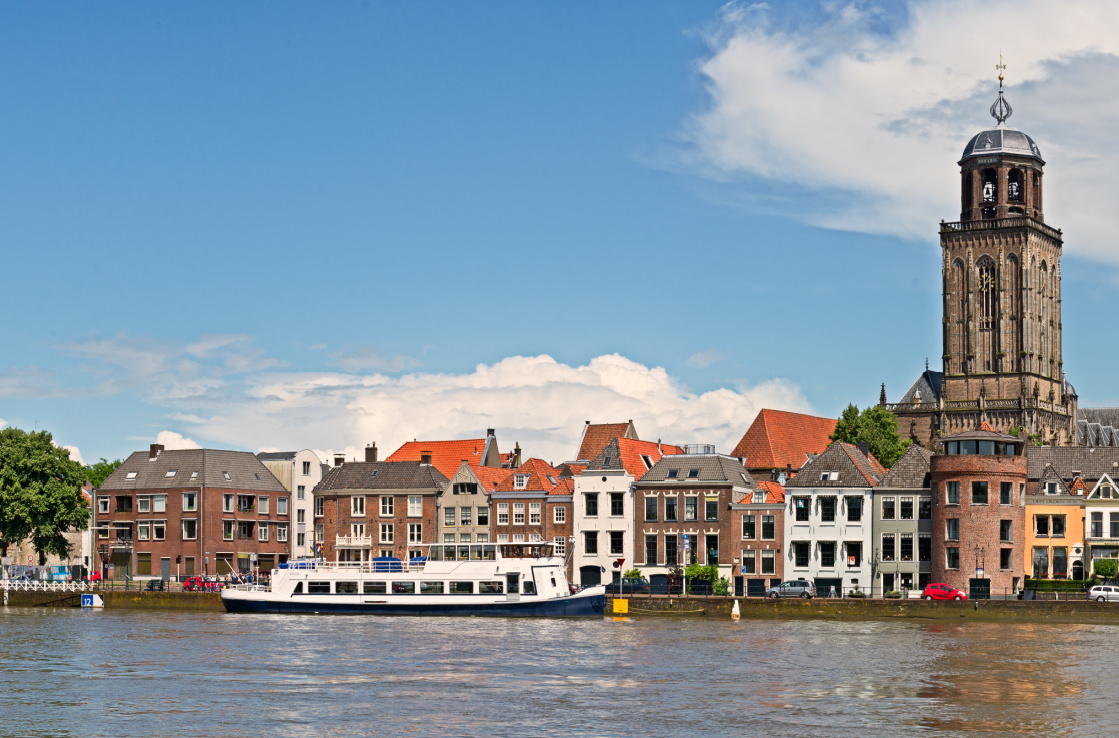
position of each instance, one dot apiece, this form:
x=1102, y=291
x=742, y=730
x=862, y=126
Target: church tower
x=1001, y=271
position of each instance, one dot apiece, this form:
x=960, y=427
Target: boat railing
x=374, y=567
x=250, y=587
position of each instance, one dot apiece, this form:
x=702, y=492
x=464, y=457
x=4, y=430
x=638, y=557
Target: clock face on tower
x=986, y=282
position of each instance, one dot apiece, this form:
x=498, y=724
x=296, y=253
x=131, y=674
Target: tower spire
x=1000, y=109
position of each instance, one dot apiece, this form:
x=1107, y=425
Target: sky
x=269, y=226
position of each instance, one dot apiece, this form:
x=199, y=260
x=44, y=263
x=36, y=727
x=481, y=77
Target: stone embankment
x=122, y=600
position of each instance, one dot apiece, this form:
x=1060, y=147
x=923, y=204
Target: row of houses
x=982, y=512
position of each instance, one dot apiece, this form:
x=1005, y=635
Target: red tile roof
x=446, y=456
x=538, y=472
x=774, y=493
x=596, y=436
x=777, y=438
x=490, y=477
x=631, y=451
x=566, y=486
x=985, y=426
x=1078, y=487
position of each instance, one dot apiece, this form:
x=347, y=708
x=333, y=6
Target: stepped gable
x=845, y=462
x=911, y=471
x=778, y=438
x=374, y=475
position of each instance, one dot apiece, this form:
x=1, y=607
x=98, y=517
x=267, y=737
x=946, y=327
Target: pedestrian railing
x=41, y=586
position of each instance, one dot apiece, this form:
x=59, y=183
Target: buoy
x=734, y=611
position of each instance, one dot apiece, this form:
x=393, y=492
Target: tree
x=97, y=472
x=877, y=427
x=1106, y=568
x=40, y=493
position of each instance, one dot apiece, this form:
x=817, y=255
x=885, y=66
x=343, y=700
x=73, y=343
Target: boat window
x=463, y=553
x=462, y=588
x=553, y=581
x=345, y=588
x=298, y=588
x=435, y=553
x=488, y=553
x=489, y=588
x=530, y=588
x=403, y=588
x=475, y=553
x=431, y=588
x=513, y=581
x=374, y=588
x=318, y=587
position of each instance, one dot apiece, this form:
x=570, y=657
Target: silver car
x=1104, y=593
x=794, y=588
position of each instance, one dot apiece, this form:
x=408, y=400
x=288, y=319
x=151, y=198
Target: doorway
x=590, y=575
x=165, y=569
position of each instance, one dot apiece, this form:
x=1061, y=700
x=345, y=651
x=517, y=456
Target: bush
x=633, y=574
x=722, y=587
x=699, y=573
x=1055, y=585
x=1105, y=568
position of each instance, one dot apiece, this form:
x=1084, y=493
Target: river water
x=131, y=673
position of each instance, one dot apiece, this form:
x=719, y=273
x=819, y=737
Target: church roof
x=928, y=384
x=1001, y=140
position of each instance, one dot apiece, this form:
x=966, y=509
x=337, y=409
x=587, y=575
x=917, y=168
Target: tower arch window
x=987, y=318
x=957, y=324
x=1014, y=186
x=1013, y=297
x=989, y=192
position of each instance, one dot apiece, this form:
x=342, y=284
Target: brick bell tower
x=1001, y=270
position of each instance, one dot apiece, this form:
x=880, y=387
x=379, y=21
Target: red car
x=202, y=584
x=944, y=592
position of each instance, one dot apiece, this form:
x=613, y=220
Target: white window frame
x=102, y=505
x=184, y=529
x=262, y=532
x=559, y=514
x=387, y=533
x=415, y=506
x=450, y=516
x=357, y=530
x=387, y=506
x=518, y=513
x=228, y=528
x=262, y=505
x=534, y=513
x=143, y=530
x=281, y=506
x=503, y=513
x=159, y=503
x=466, y=516
x=319, y=512
x=228, y=502
x=300, y=492
x=282, y=533
x=157, y=526
x=357, y=506
x=415, y=532
x=520, y=481
x=559, y=547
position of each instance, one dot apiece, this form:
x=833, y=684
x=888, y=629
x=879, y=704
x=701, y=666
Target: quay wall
x=196, y=601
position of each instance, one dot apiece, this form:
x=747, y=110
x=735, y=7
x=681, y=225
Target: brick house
x=464, y=507
x=978, y=522
x=782, y=442
x=194, y=511
x=759, y=516
x=902, y=523
x=533, y=504
x=683, y=513
x=596, y=436
x=366, y=509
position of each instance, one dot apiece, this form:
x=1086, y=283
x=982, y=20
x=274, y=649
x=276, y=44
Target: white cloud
x=531, y=399
x=369, y=358
x=866, y=128
x=704, y=359
x=75, y=454
x=3, y=422
x=173, y=441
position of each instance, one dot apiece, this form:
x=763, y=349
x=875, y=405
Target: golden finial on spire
x=1001, y=68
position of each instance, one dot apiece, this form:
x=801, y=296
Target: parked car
x=202, y=584
x=630, y=585
x=792, y=588
x=1104, y=593
x=943, y=592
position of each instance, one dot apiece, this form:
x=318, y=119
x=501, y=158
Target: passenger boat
x=511, y=580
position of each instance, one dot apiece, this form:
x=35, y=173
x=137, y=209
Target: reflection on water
x=66, y=672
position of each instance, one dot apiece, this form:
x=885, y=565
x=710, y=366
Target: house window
x=246, y=503
x=590, y=542
x=143, y=503
x=748, y=561
x=318, y=507
x=170, y=474
x=415, y=531
x=1051, y=488
x=712, y=546
x=711, y=508
x=503, y=513
x=300, y=492
x=245, y=529
x=1006, y=528
x=319, y=533
x=262, y=532
x=924, y=509
x=263, y=503
x=159, y=503
x=617, y=542
x=1041, y=563
x=465, y=515
x=449, y=538
x=1041, y=526
x=827, y=554
x=143, y=531
x=306, y=468
x=952, y=529
x=671, y=550
x=482, y=538
x=768, y=528
x=651, y=549
x=591, y=502
x=1097, y=525
x=691, y=508
x=749, y=527
x=617, y=504
x=190, y=529
x=953, y=490
x=357, y=506
x=924, y=547
x=449, y=516
x=1114, y=517
x=102, y=530
x=906, y=541
x=906, y=508
x=386, y=533
x=800, y=504
x=979, y=493
x=281, y=506
x=672, y=473
x=559, y=547
x=952, y=557
x=1060, y=561
x=386, y=506
x=854, y=509
x=827, y=509
x=518, y=513
x=1004, y=493
x=888, y=553
x=559, y=514
x=416, y=506
x=800, y=553
x=769, y=562
x=301, y=539
x=483, y=516
x=651, y=508
x=103, y=505
x=226, y=476
x=670, y=509
x=1006, y=558
x=1058, y=526
x=227, y=530
x=159, y=530
x=534, y=513
x=887, y=508
x=301, y=516
x=520, y=481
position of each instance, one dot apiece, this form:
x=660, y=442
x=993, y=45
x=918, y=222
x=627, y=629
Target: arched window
x=957, y=323
x=990, y=193
x=1014, y=189
x=1013, y=296
x=1043, y=314
x=987, y=290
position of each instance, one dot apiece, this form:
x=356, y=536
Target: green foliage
x=875, y=426
x=1055, y=585
x=1106, y=568
x=97, y=472
x=1014, y=430
x=633, y=574
x=699, y=573
x=721, y=587
x=40, y=493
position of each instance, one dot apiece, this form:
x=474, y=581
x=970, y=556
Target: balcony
x=353, y=541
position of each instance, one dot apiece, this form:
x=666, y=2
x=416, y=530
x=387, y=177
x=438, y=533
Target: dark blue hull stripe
x=562, y=608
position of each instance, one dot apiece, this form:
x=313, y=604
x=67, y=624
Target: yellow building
x=1055, y=529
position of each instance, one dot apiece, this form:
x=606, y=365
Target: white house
x=299, y=472
x=828, y=520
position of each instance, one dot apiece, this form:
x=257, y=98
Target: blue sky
x=213, y=216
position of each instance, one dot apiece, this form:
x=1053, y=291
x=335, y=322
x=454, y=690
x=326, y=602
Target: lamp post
x=980, y=561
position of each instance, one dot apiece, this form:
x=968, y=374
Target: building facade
x=166, y=514
x=759, y=516
x=828, y=521
x=465, y=507
x=1055, y=527
x=902, y=524
x=299, y=472
x=533, y=505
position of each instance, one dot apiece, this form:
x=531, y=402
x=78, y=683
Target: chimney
x=489, y=433
x=788, y=471
x=864, y=448
x=773, y=475
x=425, y=458
x=371, y=452
x=155, y=450
x=339, y=459
x=517, y=455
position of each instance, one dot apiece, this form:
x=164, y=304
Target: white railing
x=12, y=585
x=354, y=541
x=250, y=587
x=372, y=567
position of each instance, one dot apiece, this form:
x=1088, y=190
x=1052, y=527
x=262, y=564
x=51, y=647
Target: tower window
x=1014, y=186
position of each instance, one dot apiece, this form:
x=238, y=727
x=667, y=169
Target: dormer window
x=759, y=496
x=673, y=473
x=606, y=460
x=520, y=481
x=1051, y=488
x=645, y=459
x=551, y=479
x=693, y=473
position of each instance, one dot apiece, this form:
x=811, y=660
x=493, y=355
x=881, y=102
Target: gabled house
x=779, y=443
x=533, y=505
x=902, y=523
x=596, y=435
x=828, y=524
x=464, y=505
x=603, y=524
x=447, y=456
x=1055, y=527
x=759, y=516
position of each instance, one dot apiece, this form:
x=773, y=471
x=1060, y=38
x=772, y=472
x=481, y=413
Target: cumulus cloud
x=173, y=441
x=871, y=123
x=75, y=454
x=704, y=359
x=535, y=400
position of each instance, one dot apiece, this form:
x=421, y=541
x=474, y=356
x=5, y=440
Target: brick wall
x=338, y=519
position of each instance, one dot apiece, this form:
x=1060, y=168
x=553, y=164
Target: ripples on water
x=67, y=672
